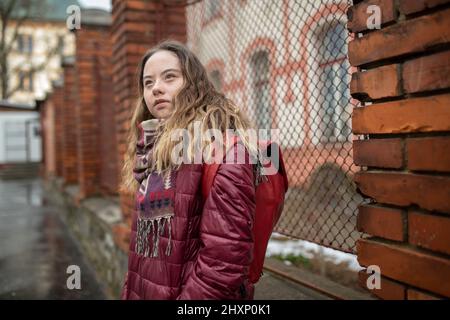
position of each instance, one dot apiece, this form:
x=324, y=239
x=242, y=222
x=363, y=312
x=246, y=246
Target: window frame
x=337, y=63
x=260, y=86
x=24, y=46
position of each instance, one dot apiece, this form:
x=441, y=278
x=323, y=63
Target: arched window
x=333, y=69
x=260, y=71
x=216, y=79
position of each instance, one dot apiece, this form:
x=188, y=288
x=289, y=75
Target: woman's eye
x=169, y=76
x=148, y=83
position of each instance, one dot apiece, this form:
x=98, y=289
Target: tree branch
x=19, y=23
x=7, y=15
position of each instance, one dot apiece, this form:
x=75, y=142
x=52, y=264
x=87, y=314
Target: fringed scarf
x=155, y=196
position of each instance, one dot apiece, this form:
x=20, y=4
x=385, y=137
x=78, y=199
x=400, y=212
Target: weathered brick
x=57, y=99
x=428, y=153
x=404, y=189
x=428, y=114
x=429, y=231
x=93, y=52
x=140, y=5
x=357, y=14
x=413, y=6
x=427, y=73
x=389, y=290
x=70, y=173
x=413, y=294
x=382, y=82
x=121, y=233
x=381, y=222
x=380, y=153
x=47, y=125
x=417, y=264
x=406, y=37
x=404, y=264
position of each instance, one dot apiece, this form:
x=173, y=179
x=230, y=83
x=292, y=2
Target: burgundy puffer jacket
x=211, y=244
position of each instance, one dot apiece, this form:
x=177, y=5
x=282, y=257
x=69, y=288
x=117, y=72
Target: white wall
x=16, y=121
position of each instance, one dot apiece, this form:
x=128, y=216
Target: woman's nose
x=157, y=88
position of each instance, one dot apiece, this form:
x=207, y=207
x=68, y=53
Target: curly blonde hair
x=197, y=100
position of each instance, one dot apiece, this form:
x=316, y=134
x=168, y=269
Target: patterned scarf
x=155, y=196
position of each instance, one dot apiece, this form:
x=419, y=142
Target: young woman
x=183, y=246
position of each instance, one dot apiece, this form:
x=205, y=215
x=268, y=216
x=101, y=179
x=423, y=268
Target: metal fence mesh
x=285, y=62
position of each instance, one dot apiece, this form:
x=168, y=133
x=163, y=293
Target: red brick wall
x=137, y=26
x=403, y=82
x=107, y=131
x=48, y=138
x=95, y=145
x=52, y=132
x=57, y=99
x=69, y=131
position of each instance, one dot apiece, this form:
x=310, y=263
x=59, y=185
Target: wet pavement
x=271, y=287
x=36, y=248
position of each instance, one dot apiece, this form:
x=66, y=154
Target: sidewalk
x=36, y=249
x=283, y=282
x=272, y=287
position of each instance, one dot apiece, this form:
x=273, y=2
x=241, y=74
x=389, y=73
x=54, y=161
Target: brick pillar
x=403, y=73
x=92, y=45
x=40, y=107
x=57, y=99
x=137, y=26
x=69, y=124
x=108, y=136
x=48, y=137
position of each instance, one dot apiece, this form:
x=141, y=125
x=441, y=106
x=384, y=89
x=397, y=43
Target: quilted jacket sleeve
x=226, y=236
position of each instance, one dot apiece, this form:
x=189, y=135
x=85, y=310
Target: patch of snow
x=278, y=245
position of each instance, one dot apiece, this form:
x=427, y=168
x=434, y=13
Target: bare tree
x=13, y=15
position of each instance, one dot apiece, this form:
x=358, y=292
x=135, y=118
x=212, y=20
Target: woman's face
x=162, y=80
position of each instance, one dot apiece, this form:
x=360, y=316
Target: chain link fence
x=285, y=62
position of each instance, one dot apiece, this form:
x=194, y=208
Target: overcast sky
x=102, y=4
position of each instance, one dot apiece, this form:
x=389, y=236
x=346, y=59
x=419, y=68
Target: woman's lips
x=161, y=105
